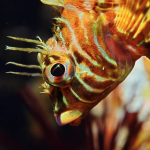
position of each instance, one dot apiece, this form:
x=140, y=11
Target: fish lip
x=70, y=116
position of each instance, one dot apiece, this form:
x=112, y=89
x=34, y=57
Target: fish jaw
x=71, y=116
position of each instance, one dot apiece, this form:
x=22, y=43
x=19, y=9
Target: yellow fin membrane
x=68, y=116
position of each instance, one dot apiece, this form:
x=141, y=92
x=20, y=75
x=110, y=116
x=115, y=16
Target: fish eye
x=58, y=70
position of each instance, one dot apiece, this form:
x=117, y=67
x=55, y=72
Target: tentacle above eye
x=26, y=74
x=41, y=46
x=37, y=50
x=25, y=66
x=27, y=40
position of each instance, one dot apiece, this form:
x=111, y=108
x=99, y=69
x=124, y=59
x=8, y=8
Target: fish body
x=94, y=48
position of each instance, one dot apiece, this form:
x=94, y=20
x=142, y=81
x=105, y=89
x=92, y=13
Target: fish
x=94, y=48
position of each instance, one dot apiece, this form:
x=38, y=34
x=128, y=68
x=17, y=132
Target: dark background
x=19, y=130
x=20, y=18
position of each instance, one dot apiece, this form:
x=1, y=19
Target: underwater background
x=120, y=122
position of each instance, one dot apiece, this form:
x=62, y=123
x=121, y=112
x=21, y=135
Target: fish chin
x=71, y=116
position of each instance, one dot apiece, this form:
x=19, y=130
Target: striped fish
x=94, y=48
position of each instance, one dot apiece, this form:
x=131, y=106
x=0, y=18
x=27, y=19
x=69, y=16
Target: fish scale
x=97, y=45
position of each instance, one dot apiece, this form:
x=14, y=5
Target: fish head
x=59, y=72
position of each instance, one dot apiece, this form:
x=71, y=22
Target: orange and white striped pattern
x=96, y=49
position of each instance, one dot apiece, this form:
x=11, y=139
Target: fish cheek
x=57, y=100
x=63, y=100
x=73, y=102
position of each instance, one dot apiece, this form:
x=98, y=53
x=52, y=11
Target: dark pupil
x=57, y=70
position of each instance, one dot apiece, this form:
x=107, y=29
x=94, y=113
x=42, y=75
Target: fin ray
x=132, y=19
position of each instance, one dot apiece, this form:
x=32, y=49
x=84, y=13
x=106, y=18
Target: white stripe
x=91, y=74
x=88, y=88
x=102, y=51
x=87, y=4
x=56, y=106
x=63, y=40
x=80, y=15
x=80, y=99
x=65, y=101
x=83, y=27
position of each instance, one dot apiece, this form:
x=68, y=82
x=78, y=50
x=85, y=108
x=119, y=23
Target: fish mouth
x=71, y=116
